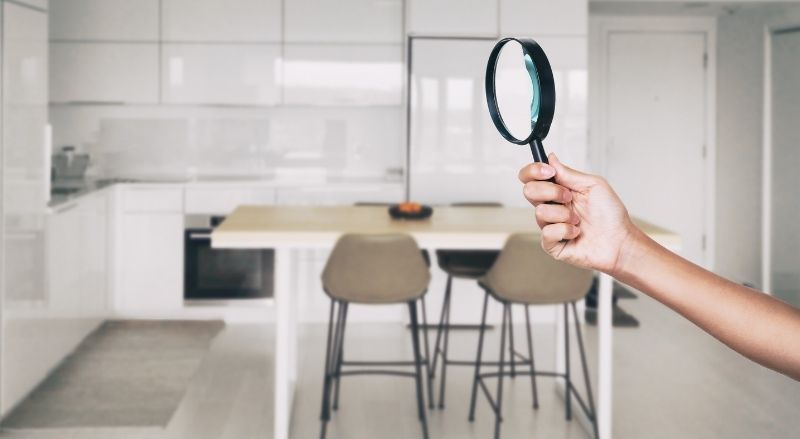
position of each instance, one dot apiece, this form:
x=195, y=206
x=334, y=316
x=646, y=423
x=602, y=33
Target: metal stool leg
x=412, y=307
x=428, y=373
x=511, y=345
x=530, y=358
x=444, y=352
x=568, y=388
x=445, y=304
x=499, y=415
x=586, y=380
x=340, y=358
x=478, y=360
x=330, y=353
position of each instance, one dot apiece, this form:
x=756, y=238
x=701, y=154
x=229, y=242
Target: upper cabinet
x=104, y=20
x=452, y=17
x=344, y=21
x=222, y=20
x=544, y=17
x=226, y=74
x=103, y=72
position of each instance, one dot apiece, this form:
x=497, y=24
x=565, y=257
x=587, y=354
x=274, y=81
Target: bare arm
x=592, y=229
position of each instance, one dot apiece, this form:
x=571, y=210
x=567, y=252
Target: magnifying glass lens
x=517, y=90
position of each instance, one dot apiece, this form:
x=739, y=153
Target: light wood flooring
x=671, y=381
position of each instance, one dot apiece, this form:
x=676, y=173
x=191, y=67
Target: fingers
x=556, y=213
x=553, y=234
x=535, y=172
x=538, y=192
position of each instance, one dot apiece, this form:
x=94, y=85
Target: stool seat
x=524, y=273
x=471, y=264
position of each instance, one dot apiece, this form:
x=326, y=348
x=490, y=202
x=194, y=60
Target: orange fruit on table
x=409, y=207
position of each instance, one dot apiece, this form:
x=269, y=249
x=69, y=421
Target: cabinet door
x=453, y=17
x=544, y=17
x=104, y=20
x=343, y=74
x=344, y=21
x=220, y=74
x=222, y=20
x=149, y=262
x=104, y=72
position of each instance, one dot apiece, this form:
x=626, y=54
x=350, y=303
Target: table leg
x=285, y=342
x=605, y=355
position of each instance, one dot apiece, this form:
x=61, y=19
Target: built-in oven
x=223, y=274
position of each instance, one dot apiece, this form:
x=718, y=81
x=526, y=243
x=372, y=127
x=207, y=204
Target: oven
x=223, y=274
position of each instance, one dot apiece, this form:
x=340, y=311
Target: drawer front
x=152, y=200
x=222, y=201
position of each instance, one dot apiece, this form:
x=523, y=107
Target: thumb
x=568, y=177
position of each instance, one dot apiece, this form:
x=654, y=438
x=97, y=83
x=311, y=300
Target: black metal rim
x=548, y=90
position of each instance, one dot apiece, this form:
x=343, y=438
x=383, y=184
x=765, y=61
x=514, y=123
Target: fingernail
x=548, y=171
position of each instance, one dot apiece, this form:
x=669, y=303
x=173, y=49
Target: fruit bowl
x=410, y=210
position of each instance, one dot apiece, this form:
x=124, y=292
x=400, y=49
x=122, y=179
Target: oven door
x=225, y=273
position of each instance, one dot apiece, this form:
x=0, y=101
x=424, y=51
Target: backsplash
x=188, y=141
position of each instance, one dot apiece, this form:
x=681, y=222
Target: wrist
x=631, y=250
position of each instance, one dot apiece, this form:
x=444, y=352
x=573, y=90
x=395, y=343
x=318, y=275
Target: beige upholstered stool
x=524, y=274
x=373, y=270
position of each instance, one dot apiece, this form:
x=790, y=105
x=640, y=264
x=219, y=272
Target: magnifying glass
x=520, y=81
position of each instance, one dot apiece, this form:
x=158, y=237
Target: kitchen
x=132, y=129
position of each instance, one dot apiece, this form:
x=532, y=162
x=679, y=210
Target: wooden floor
x=671, y=381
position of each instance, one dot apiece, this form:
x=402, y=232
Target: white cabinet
x=104, y=72
x=344, y=21
x=222, y=20
x=453, y=17
x=223, y=200
x=220, y=74
x=77, y=257
x=343, y=74
x=104, y=20
x=535, y=18
x=148, y=249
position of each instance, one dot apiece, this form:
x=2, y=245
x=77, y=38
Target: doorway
x=654, y=123
x=781, y=164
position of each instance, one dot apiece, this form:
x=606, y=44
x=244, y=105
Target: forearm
x=754, y=324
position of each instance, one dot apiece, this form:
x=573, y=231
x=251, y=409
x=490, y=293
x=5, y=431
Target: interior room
x=194, y=192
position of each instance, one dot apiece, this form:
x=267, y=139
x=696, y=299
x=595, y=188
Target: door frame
x=600, y=28
x=766, y=150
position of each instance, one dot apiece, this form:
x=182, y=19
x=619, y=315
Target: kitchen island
x=289, y=229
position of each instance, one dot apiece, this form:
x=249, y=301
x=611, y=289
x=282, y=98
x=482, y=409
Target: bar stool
x=460, y=264
x=524, y=274
x=372, y=269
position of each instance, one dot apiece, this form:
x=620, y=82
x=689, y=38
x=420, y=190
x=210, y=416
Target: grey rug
x=126, y=373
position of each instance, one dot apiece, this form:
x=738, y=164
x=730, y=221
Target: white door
x=785, y=199
x=656, y=128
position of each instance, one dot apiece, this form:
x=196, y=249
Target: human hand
x=589, y=227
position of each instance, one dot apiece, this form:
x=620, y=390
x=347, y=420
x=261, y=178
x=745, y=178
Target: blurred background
x=129, y=125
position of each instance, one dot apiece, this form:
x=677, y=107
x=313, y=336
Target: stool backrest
x=525, y=273
x=375, y=268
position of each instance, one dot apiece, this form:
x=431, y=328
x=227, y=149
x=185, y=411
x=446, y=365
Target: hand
x=590, y=226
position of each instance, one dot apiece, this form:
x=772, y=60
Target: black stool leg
x=530, y=357
x=499, y=415
x=445, y=304
x=330, y=351
x=511, y=350
x=340, y=358
x=428, y=373
x=412, y=308
x=568, y=388
x=586, y=381
x=478, y=360
x=444, y=352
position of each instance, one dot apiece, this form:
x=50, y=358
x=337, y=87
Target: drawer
x=152, y=200
x=222, y=201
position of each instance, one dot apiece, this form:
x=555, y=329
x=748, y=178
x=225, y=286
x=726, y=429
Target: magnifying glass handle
x=537, y=149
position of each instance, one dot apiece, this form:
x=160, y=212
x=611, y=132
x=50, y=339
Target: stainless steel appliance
x=214, y=274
